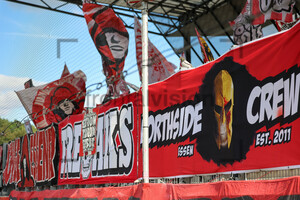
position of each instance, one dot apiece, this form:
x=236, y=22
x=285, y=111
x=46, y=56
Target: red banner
x=239, y=112
x=282, y=189
x=30, y=160
x=100, y=147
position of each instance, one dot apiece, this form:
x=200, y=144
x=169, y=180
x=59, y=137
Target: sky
x=28, y=38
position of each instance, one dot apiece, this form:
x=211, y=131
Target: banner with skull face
x=239, y=112
x=111, y=40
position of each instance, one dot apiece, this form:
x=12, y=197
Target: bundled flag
x=159, y=67
x=243, y=30
x=52, y=102
x=206, y=52
x=184, y=64
x=111, y=40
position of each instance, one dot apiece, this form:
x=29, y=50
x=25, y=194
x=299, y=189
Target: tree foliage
x=11, y=130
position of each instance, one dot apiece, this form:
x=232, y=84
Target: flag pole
x=145, y=92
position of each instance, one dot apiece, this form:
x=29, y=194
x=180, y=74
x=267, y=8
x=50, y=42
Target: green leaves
x=11, y=130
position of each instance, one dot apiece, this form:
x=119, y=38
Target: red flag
x=111, y=40
x=243, y=30
x=263, y=10
x=207, y=55
x=51, y=103
x=159, y=67
x=65, y=71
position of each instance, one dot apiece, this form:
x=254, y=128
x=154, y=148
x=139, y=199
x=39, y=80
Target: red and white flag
x=243, y=30
x=207, y=54
x=281, y=26
x=159, y=67
x=111, y=40
x=280, y=10
x=52, y=102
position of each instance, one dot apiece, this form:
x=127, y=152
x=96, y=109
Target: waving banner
x=159, y=67
x=281, y=189
x=52, y=102
x=111, y=40
x=31, y=160
x=239, y=112
x=100, y=147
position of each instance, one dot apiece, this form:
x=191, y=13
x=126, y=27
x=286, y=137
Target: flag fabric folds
x=159, y=67
x=52, y=102
x=207, y=54
x=111, y=40
x=243, y=30
x=263, y=10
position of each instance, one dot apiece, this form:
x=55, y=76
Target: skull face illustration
x=223, y=108
x=86, y=165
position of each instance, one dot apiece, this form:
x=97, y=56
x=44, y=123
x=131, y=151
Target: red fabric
x=102, y=20
x=26, y=178
x=45, y=109
x=283, y=189
x=265, y=61
x=183, y=123
x=114, y=158
x=35, y=162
